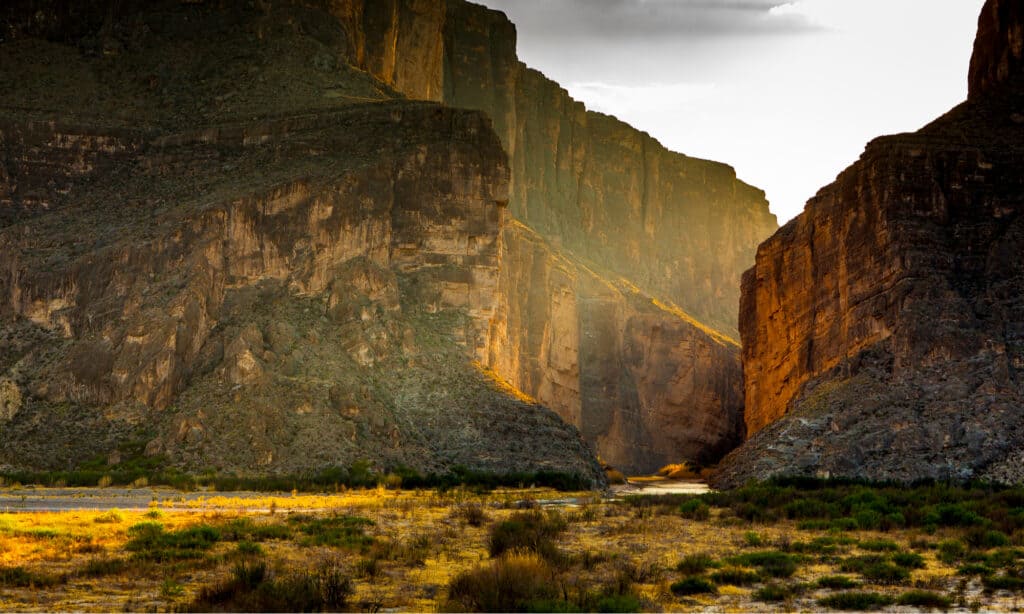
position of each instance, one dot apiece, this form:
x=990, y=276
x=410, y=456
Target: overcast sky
x=787, y=92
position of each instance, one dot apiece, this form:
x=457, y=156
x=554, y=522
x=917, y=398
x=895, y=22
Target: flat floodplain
x=763, y=548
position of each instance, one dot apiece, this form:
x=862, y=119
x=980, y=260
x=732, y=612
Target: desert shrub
x=693, y=585
x=856, y=601
x=614, y=476
x=694, y=509
x=21, y=577
x=337, y=532
x=879, y=545
x=149, y=540
x=975, y=569
x=625, y=602
x=532, y=531
x=951, y=515
x=982, y=538
x=251, y=588
x=248, y=548
x=693, y=564
x=925, y=599
x=773, y=593
x=753, y=539
x=1003, y=583
x=837, y=582
x=951, y=551
x=104, y=567
x=769, y=562
x=508, y=584
x=908, y=560
x=472, y=514
x=735, y=576
x=876, y=568
x=109, y=517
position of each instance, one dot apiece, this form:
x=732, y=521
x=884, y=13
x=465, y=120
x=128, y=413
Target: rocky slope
x=277, y=140
x=302, y=289
x=883, y=329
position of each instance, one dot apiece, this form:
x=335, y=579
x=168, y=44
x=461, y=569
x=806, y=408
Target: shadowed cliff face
x=610, y=198
x=883, y=329
x=212, y=159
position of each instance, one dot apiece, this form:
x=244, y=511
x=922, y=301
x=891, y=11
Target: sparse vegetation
x=856, y=601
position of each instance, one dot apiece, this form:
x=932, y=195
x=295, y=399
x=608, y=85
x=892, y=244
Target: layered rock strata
x=883, y=328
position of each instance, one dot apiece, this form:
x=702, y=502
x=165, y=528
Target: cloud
x=619, y=20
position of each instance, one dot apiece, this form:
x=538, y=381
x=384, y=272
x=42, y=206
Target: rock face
x=647, y=385
x=610, y=199
x=219, y=219
x=883, y=329
x=275, y=294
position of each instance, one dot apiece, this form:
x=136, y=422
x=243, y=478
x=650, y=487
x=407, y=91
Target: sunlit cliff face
x=787, y=92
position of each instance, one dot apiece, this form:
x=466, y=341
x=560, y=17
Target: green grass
x=771, y=563
x=150, y=541
x=693, y=564
x=837, y=582
x=335, y=531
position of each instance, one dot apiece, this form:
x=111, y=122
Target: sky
x=786, y=92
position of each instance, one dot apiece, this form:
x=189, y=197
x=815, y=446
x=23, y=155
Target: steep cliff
x=883, y=329
x=236, y=93
x=300, y=289
x=643, y=382
x=608, y=198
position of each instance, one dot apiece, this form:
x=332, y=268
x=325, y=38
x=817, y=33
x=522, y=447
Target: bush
x=337, y=531
x=753, y=539
x=925, y=599
x=772, y=593
x=951, y=551
x=693, y=564
x=531, y=531
x=735, y=577
x=879, y=545
x=472, y=514
x=21, y=577
x=694, y=585
x=252, y=589
x=1003, y=583
x=837, y=582
x=856, y=600
x=104, y=567
x=909, y=560
x=109, y=517
x=695, y=509
x=507, y=584
x=770, y=562
x=149, y=540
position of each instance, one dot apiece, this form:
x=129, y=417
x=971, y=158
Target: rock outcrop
x=642, y=381
x=611, y=199
x=169, y=169
x=883, y=329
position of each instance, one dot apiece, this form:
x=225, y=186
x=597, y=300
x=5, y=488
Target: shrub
x=925, y=599
x=909, y=560
x=735, y=576
x=879, y=545
x=695, y=509
x=248, y=548
x=110, y=517
x=975, y=569
x=21, y=577
x=773, y=592
x=837, y=582
x=337, y=531
x=472, y=514
x=951, y=551
x=693, y=585
x=104, y=567
x=149, y=540
x=693, y=564
x=753, y=539
x=856, y=600
x=531, y=531
x=1003, y=583
x=251, y=589
x=770, y=562
x=507, y=584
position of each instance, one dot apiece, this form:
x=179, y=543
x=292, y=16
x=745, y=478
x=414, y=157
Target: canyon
x=302, y=234
x=883, y=328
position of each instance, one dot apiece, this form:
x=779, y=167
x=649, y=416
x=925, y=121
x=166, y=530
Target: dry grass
x=421, y=545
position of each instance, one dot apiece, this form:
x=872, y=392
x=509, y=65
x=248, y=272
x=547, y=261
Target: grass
x=405, y=550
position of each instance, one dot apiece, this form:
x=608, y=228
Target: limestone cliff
x=217, y=99
x=643, y=382
x=608, y=198
x=302, y=288
x=883, y=329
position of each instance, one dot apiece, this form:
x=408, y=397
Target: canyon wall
x=165, y=85
x=883, y=328
x=606, y=197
